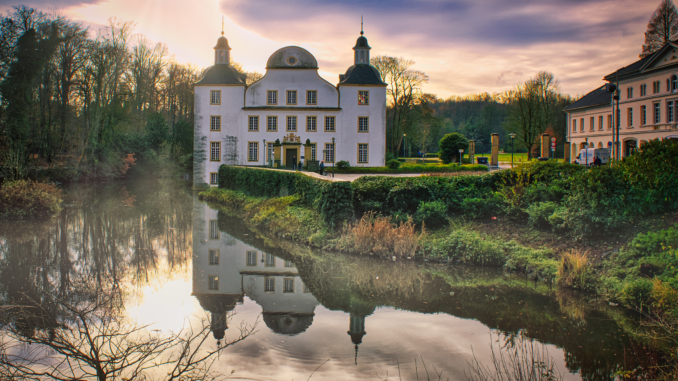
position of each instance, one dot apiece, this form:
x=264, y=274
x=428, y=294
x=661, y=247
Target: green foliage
x=182, y=139
x=413, y=168
x=540, y=212
x=432, y=214
x=655, y=169
x=450, y=145
x=157, y=131
x=343, y=164
x=20, y=199
x=336, y=202
x=393, y=164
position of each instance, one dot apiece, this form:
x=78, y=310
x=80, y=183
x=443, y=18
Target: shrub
x=433, y=213
x=377, y=235
x=24, y=198
x=393, y=164
x=343, y=164
x=655, y=168
x=450, y=145
x=539, y=213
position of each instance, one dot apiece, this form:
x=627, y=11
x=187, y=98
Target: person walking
x=294, y=163
x=299, y=165
x=322, y=166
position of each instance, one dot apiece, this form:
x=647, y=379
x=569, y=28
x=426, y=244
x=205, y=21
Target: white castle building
x=290, y=114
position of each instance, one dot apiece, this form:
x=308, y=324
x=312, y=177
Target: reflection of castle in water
x=225, y=269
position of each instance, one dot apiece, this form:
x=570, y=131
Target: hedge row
x=413, y=168
x=333, y=200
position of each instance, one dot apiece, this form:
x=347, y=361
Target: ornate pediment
x=291, y=138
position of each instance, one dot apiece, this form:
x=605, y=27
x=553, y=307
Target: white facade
x=232, y=120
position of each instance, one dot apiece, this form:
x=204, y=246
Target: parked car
x=588, y=156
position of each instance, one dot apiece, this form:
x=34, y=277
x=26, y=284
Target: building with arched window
x=288, y=116
x=643, y=117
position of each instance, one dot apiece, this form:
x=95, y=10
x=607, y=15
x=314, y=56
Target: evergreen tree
x=662, y=28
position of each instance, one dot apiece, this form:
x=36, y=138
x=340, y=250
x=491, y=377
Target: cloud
x=48, y=4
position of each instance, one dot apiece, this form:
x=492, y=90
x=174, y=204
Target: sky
x=464, y=46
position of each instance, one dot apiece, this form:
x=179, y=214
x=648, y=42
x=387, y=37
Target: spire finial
x=361, y=25
x=356, y=354
x=222, y=25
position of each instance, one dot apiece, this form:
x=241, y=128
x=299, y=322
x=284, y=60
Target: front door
x=290, y=157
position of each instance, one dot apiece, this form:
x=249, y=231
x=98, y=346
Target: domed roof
x=219, y=303
x=222, y=75
x=222, y=43
x=292, y=57
x=361, y=42
x=287, y=324
x=361, y=74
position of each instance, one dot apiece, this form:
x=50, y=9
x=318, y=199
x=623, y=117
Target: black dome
x=222, y=75
x=361, y=42
x=287, y=324
x=219, y=303
x=361, y=74
x=222, y=43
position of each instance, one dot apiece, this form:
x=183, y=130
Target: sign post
x=553, y=147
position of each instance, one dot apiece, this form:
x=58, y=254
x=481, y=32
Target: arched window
x=362, y=56
x=600, y=144
x=668, y=84
x=674, y=83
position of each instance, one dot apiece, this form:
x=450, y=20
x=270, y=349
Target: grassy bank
x=25, y=199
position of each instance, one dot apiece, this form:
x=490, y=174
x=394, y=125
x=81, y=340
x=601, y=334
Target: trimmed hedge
x=394, y=166
x=333, y=200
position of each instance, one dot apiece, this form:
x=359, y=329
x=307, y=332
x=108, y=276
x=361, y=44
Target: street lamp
x=266, y=154
x=404, y=146
x=586, y=151
x=461, y=152
x=334, y=155
x=512, y=136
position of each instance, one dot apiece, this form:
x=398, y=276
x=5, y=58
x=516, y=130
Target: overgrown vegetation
x=25, y=198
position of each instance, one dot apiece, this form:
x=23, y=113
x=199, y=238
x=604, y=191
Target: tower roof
x=361, y=43
x=222, y=75
x=292, y=57
x=361, y=74
x=222, y=43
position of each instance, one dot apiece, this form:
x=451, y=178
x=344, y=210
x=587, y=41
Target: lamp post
x=586, y=152
x=265, y=154
x=404, y=146
x=461, y=152
x=334, y=155
x=512, y=136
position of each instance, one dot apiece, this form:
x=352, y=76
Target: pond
x=173, y=263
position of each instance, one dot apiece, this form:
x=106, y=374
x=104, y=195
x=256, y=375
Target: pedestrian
x=299, y=166
x=597, y=162
x=322, y=167
x=294, y=163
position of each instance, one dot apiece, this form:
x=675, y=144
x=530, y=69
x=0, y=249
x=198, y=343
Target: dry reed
x=573, y=269
x=378, y=235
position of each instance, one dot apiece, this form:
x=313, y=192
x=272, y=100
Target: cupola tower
x=222, y=52
x=361, y=48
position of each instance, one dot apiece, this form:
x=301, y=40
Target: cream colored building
x=648, y=106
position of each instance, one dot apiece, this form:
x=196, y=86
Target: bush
x=450, y=145
x=393, y=164
x=23, y=198
x=343, y=164
x=574, y=271
x=433, y=213
x=540, y=212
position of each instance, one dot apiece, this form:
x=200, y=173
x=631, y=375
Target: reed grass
x=574, y=270
x=374, y=234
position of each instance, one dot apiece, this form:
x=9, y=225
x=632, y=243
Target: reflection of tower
x=219, y=306
x=357, y=331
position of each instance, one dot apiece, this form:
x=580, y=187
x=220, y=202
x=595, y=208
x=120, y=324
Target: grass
x=25, y=198
x=414, y=168
x=378, y=235
x=574, y=270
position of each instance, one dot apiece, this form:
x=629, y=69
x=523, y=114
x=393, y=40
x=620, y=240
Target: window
x=657, y=113
x=656, y=87
x=214, y=229
x=291, y=123
x=363, y=124
x=311, y=97
x=253, y=151
x=269, y=284
x=574, y=125
x=669, y=111
x=213, y=282
x=629, y=116
x=668, y=84
x=329, y=124
x=592, y=122
x=215, y=97
x=288, y=285
x=363, y=97
x=643, y=115
x=272, y=123
x=311, y=123
x=329, y=152
x=362, y=153
x=215, y=151
x=253, y=124
x=600, y=122
x=629, y=92
x=306, y=289
x=289, y=264
x=214, y=257
x=291, y=97
x=215, y=123
x=581, y=124
x=674, y=83
x=609, y=121
x=214, y=177
x=313, y=152
x=272, y=97
x=643, y=89
x=251, y=258
x=270, y=260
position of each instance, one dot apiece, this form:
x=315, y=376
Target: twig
x=309, y=377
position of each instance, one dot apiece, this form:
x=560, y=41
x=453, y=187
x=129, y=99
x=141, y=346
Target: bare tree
x=662, y=28
x=404, y=88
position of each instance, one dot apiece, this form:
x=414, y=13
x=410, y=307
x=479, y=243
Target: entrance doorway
x=290, y=157
x=630, y=147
